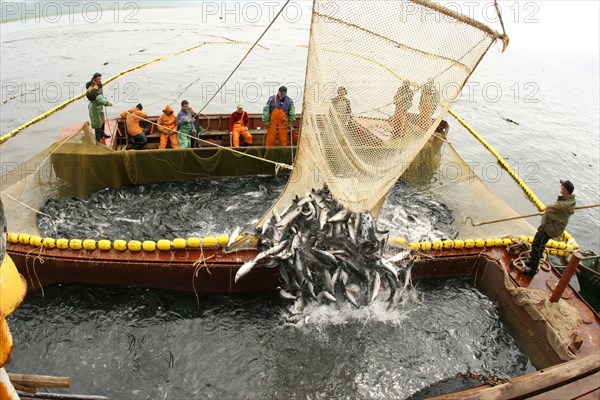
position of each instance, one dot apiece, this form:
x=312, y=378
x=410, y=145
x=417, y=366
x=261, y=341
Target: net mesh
x=377, y=85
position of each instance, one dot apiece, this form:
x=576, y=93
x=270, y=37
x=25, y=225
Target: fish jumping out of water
x=326, y=252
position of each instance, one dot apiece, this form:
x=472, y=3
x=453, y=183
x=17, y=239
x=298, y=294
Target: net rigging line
x=245, y=56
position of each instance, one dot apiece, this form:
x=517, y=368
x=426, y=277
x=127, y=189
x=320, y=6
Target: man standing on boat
x=167, y=125
x=554, y=221
x=133, y=117
x=96, y=107
x=185, y=125
x=278, y=115
x=238, y=125
x=402, y=102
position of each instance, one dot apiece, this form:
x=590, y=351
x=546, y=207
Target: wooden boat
x=206, y=267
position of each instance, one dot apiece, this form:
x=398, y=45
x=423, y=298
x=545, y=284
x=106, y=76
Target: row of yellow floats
x=554, y=247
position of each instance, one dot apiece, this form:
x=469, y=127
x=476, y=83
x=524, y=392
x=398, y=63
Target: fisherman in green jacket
x=554, y=221
x=96, y=107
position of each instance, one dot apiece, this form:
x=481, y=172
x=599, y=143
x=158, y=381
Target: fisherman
x=342, y=106
x=403, y=102
x=167, y=125
x=96, y=107
x=185, y=125
x=238, y=125
x=428, y=103
x=554, y=222
x=278, y=115
x=133, y=118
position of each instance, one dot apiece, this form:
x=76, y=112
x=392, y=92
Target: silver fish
x=273, y=250
x=323, y=218
x=276, y=215
x=304, y=200
x=399, y=256
x=389, y=267
x=325, y=255
x=376, y=285
x=327, y=296
x=244, y=269
x=286, y=295
x=327, y=281
x=233, y=236
x=340, y=216
x=351, y=298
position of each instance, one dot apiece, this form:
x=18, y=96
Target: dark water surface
x=130, y=343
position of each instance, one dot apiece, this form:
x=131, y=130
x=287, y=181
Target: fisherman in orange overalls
x=278, y=115
x=238, y=125
x=167, y=126
x=132, y=118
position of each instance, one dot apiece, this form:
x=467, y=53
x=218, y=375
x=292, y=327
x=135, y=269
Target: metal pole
x=566, y=277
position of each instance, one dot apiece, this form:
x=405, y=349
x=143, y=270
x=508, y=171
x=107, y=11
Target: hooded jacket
x=168, y=121
x=556, y=216
x=132, y=120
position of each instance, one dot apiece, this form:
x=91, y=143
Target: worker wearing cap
x=96, y=106
x=554, y=222
x=238, y=125
x=278, y=115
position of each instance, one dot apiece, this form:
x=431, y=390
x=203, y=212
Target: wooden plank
x=40, y=381
x=537, y=382
x=573, y=390
x=595, y=395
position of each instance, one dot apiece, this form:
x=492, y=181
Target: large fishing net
x=378, y=82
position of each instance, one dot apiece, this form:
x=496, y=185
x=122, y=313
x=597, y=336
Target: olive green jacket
x=96, y=109
x=556, y=216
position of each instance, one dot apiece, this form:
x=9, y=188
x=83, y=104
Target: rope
x=246, y=55
x=277, y=164
x=528, y=192
x=62, y=105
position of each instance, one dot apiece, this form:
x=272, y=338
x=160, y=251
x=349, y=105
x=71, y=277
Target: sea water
x=137, y=343
x=129, y=343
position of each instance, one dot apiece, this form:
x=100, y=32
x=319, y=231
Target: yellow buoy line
x=528, y=192
x=210, y=242
x=62, y=105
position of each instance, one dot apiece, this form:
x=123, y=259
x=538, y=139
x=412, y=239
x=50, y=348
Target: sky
x=561, y=32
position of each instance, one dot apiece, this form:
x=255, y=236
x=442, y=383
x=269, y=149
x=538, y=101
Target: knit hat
x=568, y=185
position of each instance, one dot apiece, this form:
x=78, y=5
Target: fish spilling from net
x=325, y=252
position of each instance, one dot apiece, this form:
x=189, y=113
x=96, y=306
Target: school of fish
x=325, y=252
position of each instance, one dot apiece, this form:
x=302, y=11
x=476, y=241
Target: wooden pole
x=524, y=216
x=60, y=396
x=40, y=381
x=566, y=277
